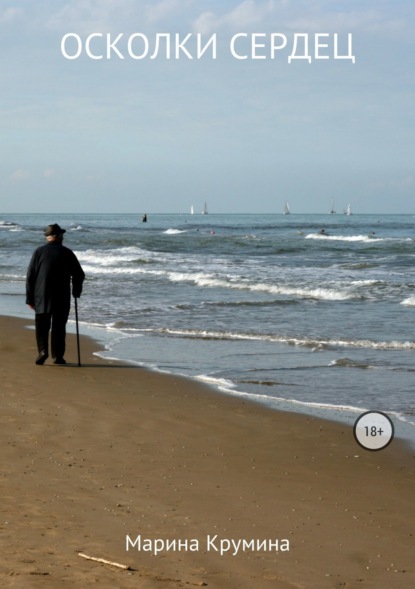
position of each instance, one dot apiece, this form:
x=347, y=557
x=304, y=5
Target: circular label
x=373, y=430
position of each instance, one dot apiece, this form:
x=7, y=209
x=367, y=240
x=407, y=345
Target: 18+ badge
x=373, y=430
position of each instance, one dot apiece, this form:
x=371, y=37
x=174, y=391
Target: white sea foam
x=8, y=225
x=314, y=293
x=297, y=341
x=174, y=231
x=294, y=402
x=409, y=302
x=120, y=261
x=131, y=260
x=220, y=382
x=12, y=277
x=357, y=238
x=238, y=283
x=114, y=256
x=11, y=228
x=121, y=270
x=366, y=282
x=402, y=417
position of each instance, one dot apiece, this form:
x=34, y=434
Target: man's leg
x=42, y=324
x=59, y=320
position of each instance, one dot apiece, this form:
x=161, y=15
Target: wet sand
x=92, y=454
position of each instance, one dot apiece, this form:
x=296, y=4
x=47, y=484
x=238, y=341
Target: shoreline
x=404, y=430
x=93, y=454
x=340, y=414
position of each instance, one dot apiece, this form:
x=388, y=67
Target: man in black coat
x=48, y=292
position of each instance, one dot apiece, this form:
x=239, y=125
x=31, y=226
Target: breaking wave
x=290, y=340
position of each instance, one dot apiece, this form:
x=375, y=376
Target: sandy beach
x=92, y=455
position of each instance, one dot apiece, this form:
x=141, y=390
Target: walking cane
x=77, y=331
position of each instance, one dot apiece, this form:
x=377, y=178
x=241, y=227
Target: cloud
x=19, y=175
x=10, y=14
x=91, y=15
x=395, y=185
x=372, y=21
x=402, y=184
x=303, y=16
x=48, y=173
x=166, y=8
x=244, y=15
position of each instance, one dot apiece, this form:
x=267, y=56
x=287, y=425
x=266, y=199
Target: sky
x=245, y=135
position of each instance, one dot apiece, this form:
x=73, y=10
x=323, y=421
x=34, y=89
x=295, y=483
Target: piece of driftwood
x=104, y=561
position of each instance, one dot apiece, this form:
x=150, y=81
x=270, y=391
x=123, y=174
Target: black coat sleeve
x=31, y=279
x=78, y=277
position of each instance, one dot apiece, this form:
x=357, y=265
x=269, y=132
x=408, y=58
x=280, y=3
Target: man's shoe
x=59, y=361
x=41, y=358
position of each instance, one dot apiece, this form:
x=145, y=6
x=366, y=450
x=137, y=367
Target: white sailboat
x=348, y=211
x=205, y=210
x=286, y=208
x=192, y=210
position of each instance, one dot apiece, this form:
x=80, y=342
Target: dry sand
x=96, y=453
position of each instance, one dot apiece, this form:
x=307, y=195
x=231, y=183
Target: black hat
x=54, y=230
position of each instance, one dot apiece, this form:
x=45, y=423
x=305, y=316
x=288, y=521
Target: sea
x=304, y=313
